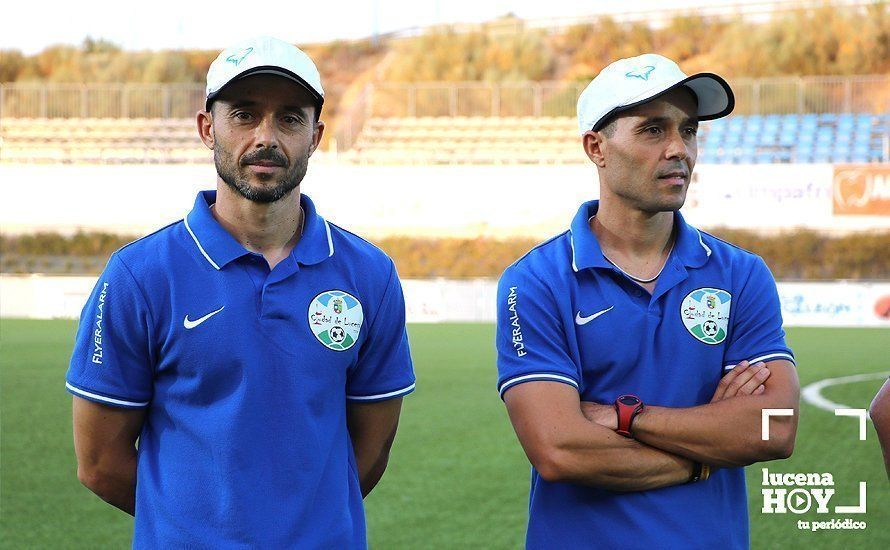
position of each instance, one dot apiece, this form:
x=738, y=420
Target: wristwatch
x=627, y=407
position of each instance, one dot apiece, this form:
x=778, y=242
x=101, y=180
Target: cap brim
x=715, y=98
x=270, y=69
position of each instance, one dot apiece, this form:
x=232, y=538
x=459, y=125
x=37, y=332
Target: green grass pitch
x=457, y=477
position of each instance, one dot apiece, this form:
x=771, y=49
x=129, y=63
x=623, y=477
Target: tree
x=12, y=63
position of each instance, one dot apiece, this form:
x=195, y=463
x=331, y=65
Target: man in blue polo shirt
x=257, y=351
x=635, y=352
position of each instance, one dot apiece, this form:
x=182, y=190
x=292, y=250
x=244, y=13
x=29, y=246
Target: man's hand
x=743, y=379
x=727, y=431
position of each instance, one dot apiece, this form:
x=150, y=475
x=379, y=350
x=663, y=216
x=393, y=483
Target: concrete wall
x=456, y=201
x=830, y=304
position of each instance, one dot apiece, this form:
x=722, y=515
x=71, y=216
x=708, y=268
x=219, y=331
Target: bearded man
x=256, y=351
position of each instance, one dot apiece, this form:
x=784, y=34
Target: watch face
x=629, y=400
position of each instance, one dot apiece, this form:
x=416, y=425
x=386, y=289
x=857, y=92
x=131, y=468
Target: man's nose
x=266, y=133
x=677, y=148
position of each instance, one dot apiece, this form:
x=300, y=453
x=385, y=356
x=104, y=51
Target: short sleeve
x=756, y=321
x=384, y=369
x=112, y=362
x=530, y=339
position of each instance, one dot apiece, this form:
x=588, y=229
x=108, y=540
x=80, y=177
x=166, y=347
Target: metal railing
x=41, y=100
x=37, y=100
x=781, y=95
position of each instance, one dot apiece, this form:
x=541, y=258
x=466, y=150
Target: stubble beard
x=641, y=198
x=237, y=175
x=672, y=203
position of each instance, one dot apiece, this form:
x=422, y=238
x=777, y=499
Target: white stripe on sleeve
x=536, y=376
x=98, y=397
x=387, y=395
x=767, y=357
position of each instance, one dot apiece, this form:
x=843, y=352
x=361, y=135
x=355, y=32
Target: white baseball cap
x=633, y=81
x=263, y=55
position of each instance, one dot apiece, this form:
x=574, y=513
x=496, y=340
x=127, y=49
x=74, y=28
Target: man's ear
x=316, y=136
x=205, y=128
x=594, y=143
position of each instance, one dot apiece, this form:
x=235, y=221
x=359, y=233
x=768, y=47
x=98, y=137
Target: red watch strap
x=627, y=413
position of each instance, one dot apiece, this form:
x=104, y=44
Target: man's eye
x=241, y=115
x=291, y=120
x=692, y=131
x=654, y=130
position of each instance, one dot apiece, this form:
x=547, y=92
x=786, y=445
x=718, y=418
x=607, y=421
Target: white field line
x=812, y=393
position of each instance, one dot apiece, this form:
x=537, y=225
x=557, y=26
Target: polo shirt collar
x=316, y=244
x=219, y=248
x=689, y=247
x=586, y=251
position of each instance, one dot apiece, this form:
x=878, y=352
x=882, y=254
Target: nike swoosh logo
x=584, y=320
x=187, y=323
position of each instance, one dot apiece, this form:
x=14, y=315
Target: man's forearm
x=566, y=446
x=726, y=433
x=619, y=464
x=113, y=482
x=372, y=429
x=371, y=458
x=370, y=473
x=105, y=445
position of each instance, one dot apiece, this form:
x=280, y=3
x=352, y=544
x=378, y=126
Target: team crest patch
x=705, y=312
x=335, y=317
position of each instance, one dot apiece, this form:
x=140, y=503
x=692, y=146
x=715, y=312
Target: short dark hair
x=609, y=127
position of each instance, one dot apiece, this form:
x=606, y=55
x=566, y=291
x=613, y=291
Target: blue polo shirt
x=245, y=374
x=566, y=315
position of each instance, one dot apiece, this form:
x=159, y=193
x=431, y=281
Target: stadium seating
x=101, y=140
x=753, y=139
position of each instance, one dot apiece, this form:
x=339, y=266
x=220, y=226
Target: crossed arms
x=105, y=446
x=568, y=440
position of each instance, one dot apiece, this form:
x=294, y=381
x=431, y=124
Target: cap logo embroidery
x=237, y=57
x=642, y=73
